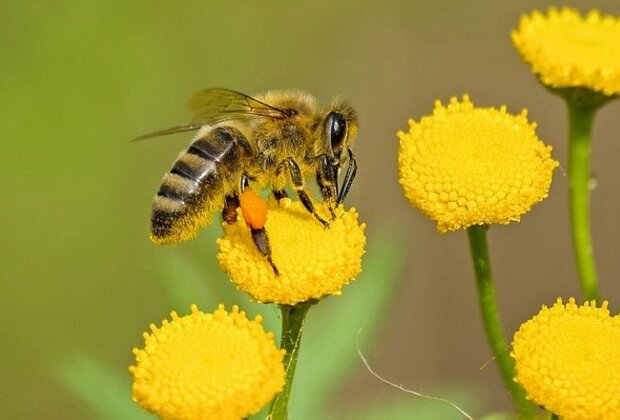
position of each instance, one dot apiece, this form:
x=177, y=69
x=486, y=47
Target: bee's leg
x=259, y=234
x=327, y=180
x=231, y=203
x=261, y=240
x=244, y=183
x=229, y=214
x=348, y=178
x=298, y=184
x=279, y=194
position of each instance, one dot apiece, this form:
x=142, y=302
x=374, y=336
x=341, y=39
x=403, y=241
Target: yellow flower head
x=568, y=360
x=467, y=166
x=568, y=50
x=207, y=366
x=312, y=261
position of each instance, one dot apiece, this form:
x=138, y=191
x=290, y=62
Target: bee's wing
x=167, y=131
x=216, y=105
x=212, y=106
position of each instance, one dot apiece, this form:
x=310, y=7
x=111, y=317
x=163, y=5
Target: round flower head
x=568, y=50
x=467, y=166
x=312, y=261
x=568, y=360
x=207, y=366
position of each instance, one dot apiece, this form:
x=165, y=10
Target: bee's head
x=339, y=129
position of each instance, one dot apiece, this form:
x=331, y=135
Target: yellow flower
x=467, y=166
x=568, y=50
x=568, y=360
x=207, y=366
x=313, y=261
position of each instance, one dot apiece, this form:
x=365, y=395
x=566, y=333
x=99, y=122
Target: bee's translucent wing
x=216, y=105
x=167, y=131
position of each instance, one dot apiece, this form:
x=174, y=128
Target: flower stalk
x=490, y=316
x=580, y=119
x=293, y=317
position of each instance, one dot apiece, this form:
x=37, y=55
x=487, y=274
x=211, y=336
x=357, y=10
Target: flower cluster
x=467, y=166
x=568, y=360
x=312, y=261
x=202, y=365
x=566, y=49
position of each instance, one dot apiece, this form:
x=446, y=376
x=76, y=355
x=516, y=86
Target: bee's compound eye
x=337, y=128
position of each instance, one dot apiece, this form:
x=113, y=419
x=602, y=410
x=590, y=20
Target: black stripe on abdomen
x=166, y=212
x=186, y=171
x=199, y=176
x=194, y=167
x=173, y=193
x=177, y=187
x=215, y=146
x=162, y=221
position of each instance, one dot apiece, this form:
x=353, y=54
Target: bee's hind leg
x=229, y=213
x=259, y=234
x=261, y=240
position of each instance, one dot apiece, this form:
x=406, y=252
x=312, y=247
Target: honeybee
x=277, y=139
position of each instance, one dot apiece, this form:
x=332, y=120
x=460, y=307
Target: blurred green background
x=79, y=280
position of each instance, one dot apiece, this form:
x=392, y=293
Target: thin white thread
x=401, y=388
x=561, y=168
x=487, y=363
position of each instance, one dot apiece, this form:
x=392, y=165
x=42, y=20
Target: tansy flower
x=568, y=50
x=467, y=166
x=312, y=261
x=207, y=366
x=568, y=360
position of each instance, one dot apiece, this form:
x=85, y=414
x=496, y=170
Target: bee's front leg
x=327, y=180
x=298, y=184
x=348, y=178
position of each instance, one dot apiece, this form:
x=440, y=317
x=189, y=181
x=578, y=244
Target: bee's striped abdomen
x=196, y=185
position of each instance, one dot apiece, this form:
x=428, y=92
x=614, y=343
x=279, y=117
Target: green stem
x=490, y=317
x=580, y=119
x=293, y=317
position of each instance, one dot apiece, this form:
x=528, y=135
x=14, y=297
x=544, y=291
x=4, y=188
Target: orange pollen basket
x=254, y=209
